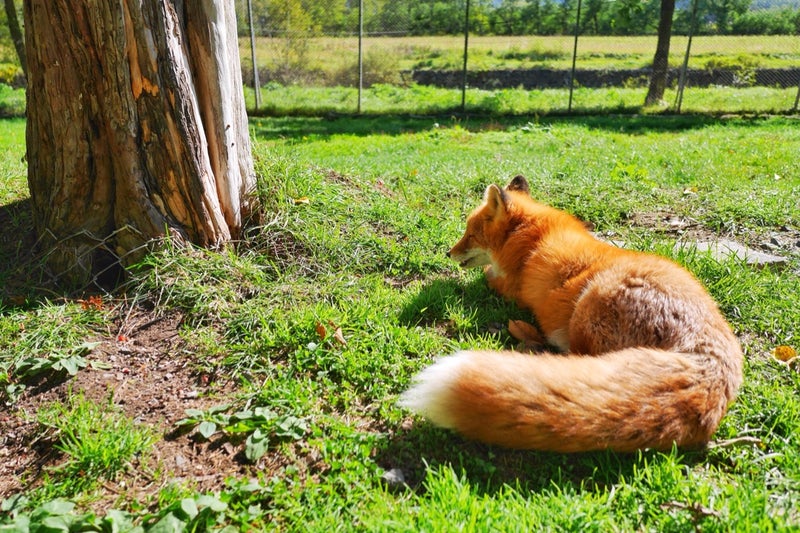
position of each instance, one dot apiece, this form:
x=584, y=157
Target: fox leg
x=496, y=282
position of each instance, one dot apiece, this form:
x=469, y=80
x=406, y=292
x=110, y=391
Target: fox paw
x=529, y=335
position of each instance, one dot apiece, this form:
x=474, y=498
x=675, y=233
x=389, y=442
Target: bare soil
x=152, y=379
x=784, y=241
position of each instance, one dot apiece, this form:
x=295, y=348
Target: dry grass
x=331, y=53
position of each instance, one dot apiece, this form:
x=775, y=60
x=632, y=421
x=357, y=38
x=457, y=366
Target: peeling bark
x=136, y=128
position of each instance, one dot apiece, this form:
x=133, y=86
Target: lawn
x=279, y=100
x=255, y=387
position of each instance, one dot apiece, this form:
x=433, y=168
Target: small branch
x=738, y=441
x=695, y=508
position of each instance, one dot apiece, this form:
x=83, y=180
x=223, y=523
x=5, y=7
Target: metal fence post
x=360, y=53
x=685, y=66
x=574, y=55
x=256, y=83
x=466, y=51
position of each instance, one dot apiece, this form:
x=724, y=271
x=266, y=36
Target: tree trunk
x=658, y=79
x=16, y=33
x=136, y=128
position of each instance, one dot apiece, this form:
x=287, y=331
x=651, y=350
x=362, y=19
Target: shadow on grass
x=23, y=279
x=424, y=448
x=443, y=302
x=299, y=128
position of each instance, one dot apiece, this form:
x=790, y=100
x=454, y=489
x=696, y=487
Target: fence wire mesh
x=518, y=56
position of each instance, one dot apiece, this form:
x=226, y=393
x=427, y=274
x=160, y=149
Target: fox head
x=488, y=225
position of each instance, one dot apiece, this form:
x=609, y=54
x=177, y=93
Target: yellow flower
x=784, y=353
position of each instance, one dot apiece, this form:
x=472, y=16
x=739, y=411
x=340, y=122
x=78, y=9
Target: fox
x=642, y=356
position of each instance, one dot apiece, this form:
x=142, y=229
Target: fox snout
x=471, y=258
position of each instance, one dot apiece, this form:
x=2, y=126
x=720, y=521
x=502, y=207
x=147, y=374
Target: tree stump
x=136, y=128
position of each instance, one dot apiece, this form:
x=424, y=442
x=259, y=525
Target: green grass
x=97, y=441
x=45, y=340
x=279, y=100
x=12, y=166
x=12, y=101
x=358, y=215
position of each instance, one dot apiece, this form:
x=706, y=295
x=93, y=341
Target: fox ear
x=519, y=183
x=496, y=200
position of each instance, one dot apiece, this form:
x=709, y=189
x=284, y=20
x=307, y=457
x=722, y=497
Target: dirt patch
x=783, y=241
x=152, y=378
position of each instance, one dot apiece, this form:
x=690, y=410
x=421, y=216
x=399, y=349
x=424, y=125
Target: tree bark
x=658, y=78
x=16, y=33
x=136, y=128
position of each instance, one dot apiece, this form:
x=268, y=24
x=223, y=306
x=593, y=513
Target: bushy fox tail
x=624, y=400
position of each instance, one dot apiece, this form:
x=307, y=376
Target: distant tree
x=507, y=18
x=631, y=17
x=288, y=16
x=480, y=16
x=551, y=17
x=722, y=13
x=767, y=22
x=16, y=33
x=329, y=18
x=658, y=77
x=591, y=13
x=390, y=17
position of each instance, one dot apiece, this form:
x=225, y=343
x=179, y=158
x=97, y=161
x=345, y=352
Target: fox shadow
x=460, y=308
x=420, y=450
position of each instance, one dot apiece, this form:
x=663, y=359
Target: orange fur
x=650, y=360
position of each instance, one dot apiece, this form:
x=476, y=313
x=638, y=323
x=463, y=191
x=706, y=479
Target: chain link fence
x=518, y=56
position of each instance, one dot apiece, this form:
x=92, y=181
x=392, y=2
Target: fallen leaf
x=784, y=353
x=92, y=302
x=339, y=337
x=302, y=200
x=321, y=331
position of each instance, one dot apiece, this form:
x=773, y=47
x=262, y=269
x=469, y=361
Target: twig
x=696, y=509
x=738, y=441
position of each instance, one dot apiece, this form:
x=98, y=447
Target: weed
x=46, y=343
x=98, y=443
x=259, y=424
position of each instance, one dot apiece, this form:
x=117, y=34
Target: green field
x=313, y=76
x=333, y=61
x=320, y=75
x=254, y=388
x=279, y=100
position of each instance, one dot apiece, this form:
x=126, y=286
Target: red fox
x=649, y=360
